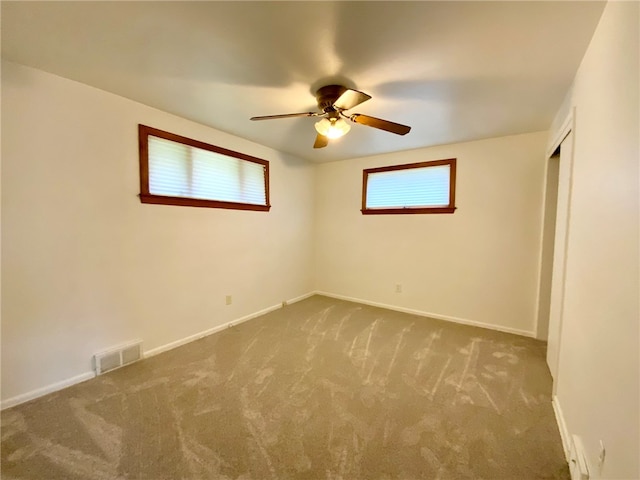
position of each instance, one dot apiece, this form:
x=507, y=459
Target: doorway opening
x=554, y=247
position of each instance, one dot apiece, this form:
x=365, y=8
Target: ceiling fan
x=333, y=101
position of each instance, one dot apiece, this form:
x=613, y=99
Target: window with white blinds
x=425, y=187
x=176, y=170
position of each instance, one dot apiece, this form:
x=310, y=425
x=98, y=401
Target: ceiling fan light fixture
x=332, y=127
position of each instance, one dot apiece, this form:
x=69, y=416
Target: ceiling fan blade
x=321, y=141
x=350, y=98
x=287, y=115
x=379, y=123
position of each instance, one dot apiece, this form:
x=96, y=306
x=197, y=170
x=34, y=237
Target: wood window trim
x=450, y=208
x=147, y=197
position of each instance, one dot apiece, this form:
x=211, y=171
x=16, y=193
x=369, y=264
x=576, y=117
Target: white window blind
x=409, y=188
x=178, y=170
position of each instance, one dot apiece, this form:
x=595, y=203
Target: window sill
x=405, y=211
x=195, y=202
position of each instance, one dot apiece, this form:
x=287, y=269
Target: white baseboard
x=562, y=426
x=218, y=328
x=438, y=316
x=39, y=392
x=301, y=297
x=209, y=331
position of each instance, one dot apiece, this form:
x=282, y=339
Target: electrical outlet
x=228, y=300
x=398, y=288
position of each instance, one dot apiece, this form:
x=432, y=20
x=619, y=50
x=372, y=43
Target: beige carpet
x=322, y=389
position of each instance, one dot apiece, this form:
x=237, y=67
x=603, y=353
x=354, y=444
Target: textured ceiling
x=454, y=71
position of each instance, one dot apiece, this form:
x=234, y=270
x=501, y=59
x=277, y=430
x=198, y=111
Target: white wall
x=599, y=370
x=86, y=266
x=480, y=264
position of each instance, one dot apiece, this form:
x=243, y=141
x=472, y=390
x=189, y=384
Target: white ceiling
x=454, y=71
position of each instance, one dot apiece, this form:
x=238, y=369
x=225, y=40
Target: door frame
x=568, y=126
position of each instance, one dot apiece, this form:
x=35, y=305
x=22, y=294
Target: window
x=176, y=170
x=425, y=187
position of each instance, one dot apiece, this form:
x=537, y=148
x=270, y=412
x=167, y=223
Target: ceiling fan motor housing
x=327, y=96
